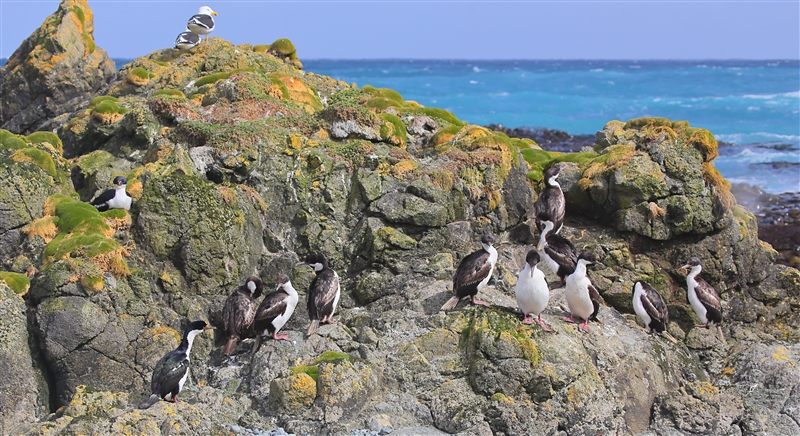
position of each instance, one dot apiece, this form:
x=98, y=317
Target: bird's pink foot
x=569, y=319
x=280, y=336
x=584, y=326
x=527, y=320
x=329, y=321
x=705, y=326
x=482, y=303
x=545, y=327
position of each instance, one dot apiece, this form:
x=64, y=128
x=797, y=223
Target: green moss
x=141, y=73
x=441, y=114
x=81, y=232
x=108, y=107
x=19, y=283
x=386, y=93
x=261, y=48
x=399, y=129
x=97, y=100
x=311, y=370
x=354, y=152
x=703, y=140
x=538, y=160
x=333, y=357
x=79, y=13
x=276, y=80
x=10, y=141
x=169, y=92
x=40, y=158
x=498, y=396
x=638, y=123
x=88, y=42
x=211, y=78
x=161, y=63
x=283, y=47
x=48, y=137
x=444, y=132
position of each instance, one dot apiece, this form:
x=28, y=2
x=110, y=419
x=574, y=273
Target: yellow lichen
x=44, y=228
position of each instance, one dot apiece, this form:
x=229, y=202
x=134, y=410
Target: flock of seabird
x=553, y=252
x=201, y=23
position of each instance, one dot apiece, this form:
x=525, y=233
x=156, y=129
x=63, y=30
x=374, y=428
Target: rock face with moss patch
x=53, y=70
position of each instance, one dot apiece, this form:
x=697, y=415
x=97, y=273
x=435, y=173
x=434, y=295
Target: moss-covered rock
x=66, y=64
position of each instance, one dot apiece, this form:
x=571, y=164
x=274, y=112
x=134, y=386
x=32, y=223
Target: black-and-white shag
x=172, y=371
x=551, y=200
x=186, y=40
x=274, y=311
x=532, y=291
x=582, y=297
x=557, y=253
x=651, y=309
x=202, y=23
x=703, y=297
x=239, y=311
x=116, y=198
x=473, y=274
x=323, y=293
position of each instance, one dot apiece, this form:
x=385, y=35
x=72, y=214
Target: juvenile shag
x=116, y=198
x=551, y=200
x=274, y=311
x=557, y=253
x=202, y=23
x=473, y=274
x=186, y=40
x=703, y=297
x=651, y=309
x=172, y=371
x=532, y=291
x=323, y=293
x=582, y=297
x=239, y=311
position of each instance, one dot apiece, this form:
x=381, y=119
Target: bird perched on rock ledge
x=172, y=371
x=473, y=274
x=202, y=23
x=116, y=198
x=186, y=40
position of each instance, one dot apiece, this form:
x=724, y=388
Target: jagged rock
x=54, y=71
x=23, y=389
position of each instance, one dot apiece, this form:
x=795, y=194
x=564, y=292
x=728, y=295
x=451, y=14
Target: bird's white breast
x=577, y=294
x=532, y=291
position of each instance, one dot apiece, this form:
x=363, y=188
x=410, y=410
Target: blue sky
x=446, y=29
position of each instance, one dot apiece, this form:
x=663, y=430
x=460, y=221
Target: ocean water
x=754, y=105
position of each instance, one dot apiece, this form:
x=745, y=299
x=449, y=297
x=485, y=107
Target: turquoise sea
x=753, y=105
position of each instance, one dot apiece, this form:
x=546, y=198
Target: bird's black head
x=487, y=239
x=551, y=173
x=589, y=257
x=254, y=285
x=532, y=258
x=282, y=280
x=119, y=180
x=199, y=325
x=316, y=261
x=695, y=261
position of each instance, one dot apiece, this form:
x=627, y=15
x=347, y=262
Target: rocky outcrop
x=241, y=163
x=54, y=71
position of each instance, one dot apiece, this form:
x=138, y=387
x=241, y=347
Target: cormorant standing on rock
x=532, y=291
x=323, y=293
x=172, y=371
x=275, y=310
x=703, y=297
x=582, y=297
x=651, y=309
x=473, y=274
x=239, y=310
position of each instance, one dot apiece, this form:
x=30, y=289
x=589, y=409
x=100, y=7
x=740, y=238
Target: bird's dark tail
x=230, y=345
x=150, y=401
x=451, y=303
x=313, y=327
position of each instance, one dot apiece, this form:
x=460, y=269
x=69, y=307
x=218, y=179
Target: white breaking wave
x=792, y=94
x=750, y=138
